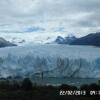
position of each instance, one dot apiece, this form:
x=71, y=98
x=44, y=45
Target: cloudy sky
x=50, y=16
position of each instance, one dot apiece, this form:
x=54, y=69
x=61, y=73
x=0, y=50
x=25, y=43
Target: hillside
x=91, y=39
x=4, y=43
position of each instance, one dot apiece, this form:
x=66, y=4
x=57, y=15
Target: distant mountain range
x=4, y=43
x=90, y=39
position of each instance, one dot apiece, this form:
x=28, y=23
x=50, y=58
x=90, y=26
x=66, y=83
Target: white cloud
x=66, y=16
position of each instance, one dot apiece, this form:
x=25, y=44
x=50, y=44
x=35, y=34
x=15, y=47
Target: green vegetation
x=25, y=90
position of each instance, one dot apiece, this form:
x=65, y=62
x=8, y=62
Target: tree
x=27, y=84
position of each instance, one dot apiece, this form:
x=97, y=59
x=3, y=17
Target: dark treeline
x=26, y=90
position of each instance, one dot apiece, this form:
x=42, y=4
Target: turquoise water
x=59, y=81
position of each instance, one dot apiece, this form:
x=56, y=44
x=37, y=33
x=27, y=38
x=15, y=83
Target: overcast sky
x=50, y=16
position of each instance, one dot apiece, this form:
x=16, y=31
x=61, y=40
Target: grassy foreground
x=25, y=90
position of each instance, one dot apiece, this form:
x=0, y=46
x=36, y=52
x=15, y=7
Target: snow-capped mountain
x=60, y=40
x=65, y=40
x=28, y=38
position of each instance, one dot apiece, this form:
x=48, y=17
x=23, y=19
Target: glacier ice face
x=50, y=61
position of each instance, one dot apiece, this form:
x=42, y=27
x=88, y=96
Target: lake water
x=69, y=81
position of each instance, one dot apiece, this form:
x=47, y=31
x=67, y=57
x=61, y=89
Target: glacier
x=50, y=60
